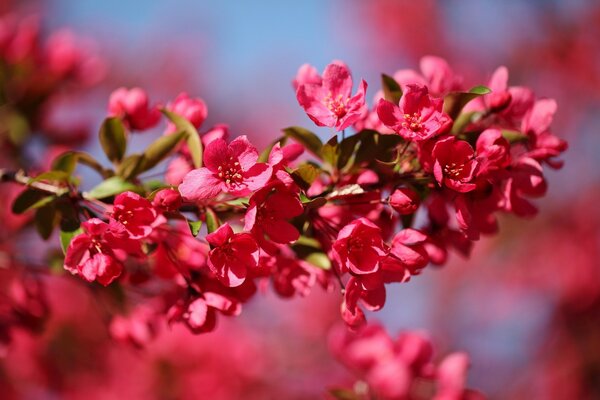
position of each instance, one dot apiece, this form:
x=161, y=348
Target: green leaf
x=111, y=187
x=66, y=162
x=46, y=218
x=192, y=136
x=160, y=149
x=514, y=136
x=391, y=89
x=309, y=140
x=346, y=150
x=317, y=202
x=131, y=166
x=305, y=175
x=463, y=120
x=51, y=176
x=66, y=237
x=194, y=227
x=113, y=139
x=454, y=102
x=29, y=199
x=212, y=221
x=319, y=260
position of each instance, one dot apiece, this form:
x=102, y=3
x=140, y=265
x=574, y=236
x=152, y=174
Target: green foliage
x=391, y=89
x=111, y=187
x=455, y=102
x=191, y=134
x=113, y=139
x=309, y=140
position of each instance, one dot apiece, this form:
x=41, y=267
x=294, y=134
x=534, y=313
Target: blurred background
x=526, y=305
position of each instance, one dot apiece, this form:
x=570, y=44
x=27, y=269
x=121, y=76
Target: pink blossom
x=307, y=74
x=133, y=107
x=229, y=169
x=436, y=74
x=167, y=200
x=95, y=254
x=291, y=276
x=331, y=103
x=536, y=125
x=359, y=247
x=404, y=200
x=232, y=255
x=493, y=152
x=268, y=215
x=219, y=131
x=194, y=110
x=134, y=216
x=408, y=248
x=417, y=117
x=455, y=164
x=526, y=179
x=371, y=296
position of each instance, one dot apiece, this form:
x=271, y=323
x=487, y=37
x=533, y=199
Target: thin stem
x=21, y=178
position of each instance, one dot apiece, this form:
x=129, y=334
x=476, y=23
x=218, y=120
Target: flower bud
x=405, y=201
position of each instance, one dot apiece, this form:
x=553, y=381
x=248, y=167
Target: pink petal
x=216, y=154
x=220, y=236
x=200, y=184
x=244, y=151
x=281, y=231
x=337, y=80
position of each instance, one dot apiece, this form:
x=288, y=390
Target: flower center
x=412, y=122
x=231, y=172
x=337, y=106
x=453, y=170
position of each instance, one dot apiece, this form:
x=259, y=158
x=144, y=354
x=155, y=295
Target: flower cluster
x=460, y=156
x=427, y=168
x=403, y=368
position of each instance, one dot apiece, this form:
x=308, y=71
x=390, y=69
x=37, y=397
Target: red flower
x=359, y=247
x=408, y=248
x=229, y=169
x=372, y=297
x=96, y=255
x=268, y=215
x=132, y=106
x=455, y=164
x=417, y=117
x=330, y=102
x=493, y=152
x=167, y=200
x=134, y=215
x=194, y=110
x=404, y=200
x=436, y=74
x=232, y=255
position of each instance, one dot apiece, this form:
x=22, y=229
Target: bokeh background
x=526, y=306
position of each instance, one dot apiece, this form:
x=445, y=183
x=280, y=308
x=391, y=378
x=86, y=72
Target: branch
x=21, y=178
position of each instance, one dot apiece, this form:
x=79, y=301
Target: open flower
x=417, y=117
x=97, y=255
x=134, y=216
x=269, y=213
x=330, y=102
x=359, y=247
x=455, y=164
x=229, y=169
x=232, y=255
